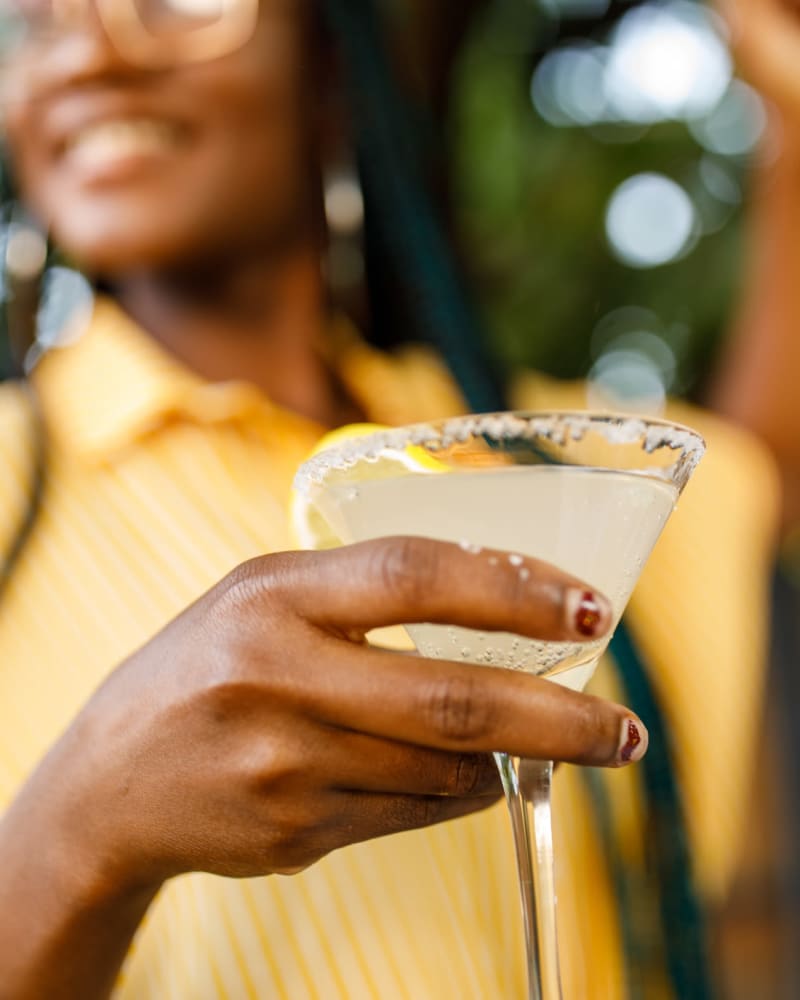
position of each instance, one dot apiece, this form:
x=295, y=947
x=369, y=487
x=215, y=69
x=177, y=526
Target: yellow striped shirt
x=158, y=484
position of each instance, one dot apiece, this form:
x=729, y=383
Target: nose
x=80, y=52
x=85, y=48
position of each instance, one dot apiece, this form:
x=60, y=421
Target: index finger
x=404, y=580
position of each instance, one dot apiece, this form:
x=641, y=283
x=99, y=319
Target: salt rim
x=556, y=426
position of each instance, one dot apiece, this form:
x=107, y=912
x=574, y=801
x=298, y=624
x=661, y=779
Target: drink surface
x=599, y=525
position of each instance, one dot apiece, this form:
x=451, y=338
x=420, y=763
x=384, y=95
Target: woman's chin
x=115, y=253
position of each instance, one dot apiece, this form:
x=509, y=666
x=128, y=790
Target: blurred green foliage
x=530, y=199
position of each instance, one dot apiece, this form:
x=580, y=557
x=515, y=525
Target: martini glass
x=589, y=493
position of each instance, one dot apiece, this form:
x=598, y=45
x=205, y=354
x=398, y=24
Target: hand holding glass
x=587, y=493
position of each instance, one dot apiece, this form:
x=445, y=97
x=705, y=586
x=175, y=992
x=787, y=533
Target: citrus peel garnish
x=308, y=528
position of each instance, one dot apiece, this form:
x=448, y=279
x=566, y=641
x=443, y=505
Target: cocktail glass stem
x=527, y=788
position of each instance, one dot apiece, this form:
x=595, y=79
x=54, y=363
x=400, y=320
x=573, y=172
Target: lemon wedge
x=308, y=528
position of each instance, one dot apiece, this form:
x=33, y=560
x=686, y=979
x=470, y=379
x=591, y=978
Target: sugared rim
x=554, y=425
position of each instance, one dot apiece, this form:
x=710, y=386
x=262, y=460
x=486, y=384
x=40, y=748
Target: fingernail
x=633, y=742
x=587, y=613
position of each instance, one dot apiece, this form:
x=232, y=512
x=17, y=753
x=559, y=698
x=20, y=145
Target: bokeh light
x=717, y=194
x=628, y=381
x=666, y=61
x=568, y=86
x=662, y=62
x=634, y=365
x=735, y=125
x=65, y=308
x=344, y=202
x=26, y=251
x=650, y=221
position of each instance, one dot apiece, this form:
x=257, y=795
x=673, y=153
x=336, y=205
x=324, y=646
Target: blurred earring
x=24, y=256
x=344, y=217
x=65, y=309
x=41, y=305
x=45, y=306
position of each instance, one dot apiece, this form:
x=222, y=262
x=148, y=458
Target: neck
x=261, y=323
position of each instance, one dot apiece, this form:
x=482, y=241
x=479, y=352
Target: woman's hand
x=259, y=731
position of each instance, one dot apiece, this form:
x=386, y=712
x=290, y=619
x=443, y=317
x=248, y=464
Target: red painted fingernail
x=633, y=742
x=586, y=613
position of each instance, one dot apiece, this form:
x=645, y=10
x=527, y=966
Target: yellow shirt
x=158, y=484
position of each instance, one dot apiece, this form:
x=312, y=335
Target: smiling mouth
x=106, y=144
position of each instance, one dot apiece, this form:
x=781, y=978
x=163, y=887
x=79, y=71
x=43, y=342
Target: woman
x=256, y=732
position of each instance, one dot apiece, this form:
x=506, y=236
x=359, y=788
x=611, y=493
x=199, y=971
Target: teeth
x=114, y=140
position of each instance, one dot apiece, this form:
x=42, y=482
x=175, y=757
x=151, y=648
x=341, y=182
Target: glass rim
x=552, y=424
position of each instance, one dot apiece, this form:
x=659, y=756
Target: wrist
x=63, y=829
x=67, y=924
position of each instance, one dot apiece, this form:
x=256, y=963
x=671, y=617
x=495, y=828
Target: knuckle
x=456, y=709
x=223, y=697
x=412, y=813
x=235, y=634
x=244, y=582
x=291, y=833
x=261, y=578
x=238, y=677
x=467, y=776
x=408, y=568
x=281, y=774
x=294, y=838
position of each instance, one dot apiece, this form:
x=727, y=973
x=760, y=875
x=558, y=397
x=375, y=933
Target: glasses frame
x=135, y=43
x=127, y=32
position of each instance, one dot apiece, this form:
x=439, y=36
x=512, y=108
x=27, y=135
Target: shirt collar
x=115, y=385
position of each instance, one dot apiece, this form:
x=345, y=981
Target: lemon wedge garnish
x=308, y=528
